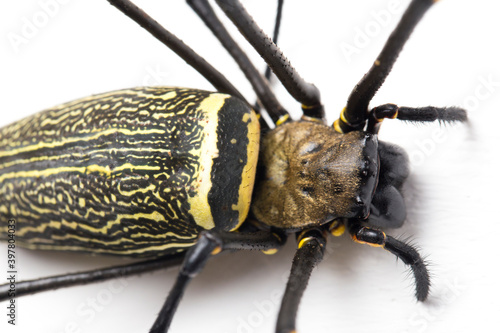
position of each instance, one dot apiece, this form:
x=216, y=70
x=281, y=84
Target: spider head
x=311, y=174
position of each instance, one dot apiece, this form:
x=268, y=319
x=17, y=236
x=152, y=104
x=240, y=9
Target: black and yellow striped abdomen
x=136, y=172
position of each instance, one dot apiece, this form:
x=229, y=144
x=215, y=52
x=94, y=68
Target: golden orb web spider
x=335, y=274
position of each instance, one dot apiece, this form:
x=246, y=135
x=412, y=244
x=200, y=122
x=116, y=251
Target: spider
x=360, y=183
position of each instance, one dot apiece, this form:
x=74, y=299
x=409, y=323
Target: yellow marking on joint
x=336, y=126
x=270, y=251
x=377, y=62
x=217, y=250
x=200, y=208
x=395, y=115
x=342, y=116
x=370, y=244
x=337, y=230
x=304, y=241
x=374, y=245
x=307, y=118
x=249, y=170
x=282, y=119
x=308, y=107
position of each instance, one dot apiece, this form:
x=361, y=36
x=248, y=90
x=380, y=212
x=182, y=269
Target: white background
x=87, y=47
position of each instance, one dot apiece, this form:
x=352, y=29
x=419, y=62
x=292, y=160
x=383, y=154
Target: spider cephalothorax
x=310, y=174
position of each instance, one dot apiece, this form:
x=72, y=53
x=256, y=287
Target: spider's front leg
x=211, y=243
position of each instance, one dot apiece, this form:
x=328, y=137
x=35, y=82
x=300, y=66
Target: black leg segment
x=353, y=117
x=67, y=280
x=259, y=84
x=195, y=260
x=276, y=33
x=422, y=114
x=403, y=251
x=410, y=257
x=307, y=94
x=211, y=243
x=175, y=44
x=309, y=254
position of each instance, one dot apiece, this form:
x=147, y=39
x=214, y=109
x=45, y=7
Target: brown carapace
x=311, y=174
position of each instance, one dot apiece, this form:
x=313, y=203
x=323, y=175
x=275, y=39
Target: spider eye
x=308, y=190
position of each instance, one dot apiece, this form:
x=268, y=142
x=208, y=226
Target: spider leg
x=258, y=82
x=405, y=252
x=211, y=243
x=354, y=115
x=67, y=280
x=309, y=253
x=422, y=114
x=305, y=93
x=175, y=44
x=277, y=24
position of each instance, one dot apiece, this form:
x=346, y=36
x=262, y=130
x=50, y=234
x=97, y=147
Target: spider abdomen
x=136, y=172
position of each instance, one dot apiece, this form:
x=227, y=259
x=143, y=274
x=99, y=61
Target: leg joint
x=365, y=235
